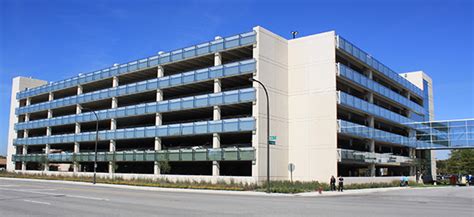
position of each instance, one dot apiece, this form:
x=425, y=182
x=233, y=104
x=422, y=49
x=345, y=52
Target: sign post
x=291, y=168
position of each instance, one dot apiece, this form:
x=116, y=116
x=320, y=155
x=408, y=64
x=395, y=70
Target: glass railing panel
x=371, y=133
x=242, y=67
x=350, y=74
x=372, y=109
x=375, y=64
x=187, y=129
x=202, y=154
x=179, y=54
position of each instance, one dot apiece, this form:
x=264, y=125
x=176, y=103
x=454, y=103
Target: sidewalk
x=221, y=192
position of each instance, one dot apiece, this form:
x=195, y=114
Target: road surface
x=33, y=198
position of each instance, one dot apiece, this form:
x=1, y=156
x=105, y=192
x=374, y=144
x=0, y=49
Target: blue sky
x=53, y=40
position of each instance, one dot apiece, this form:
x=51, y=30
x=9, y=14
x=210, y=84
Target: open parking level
x=46, y=198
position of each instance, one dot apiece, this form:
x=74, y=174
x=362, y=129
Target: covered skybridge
x=429, y=135
x=438, y=135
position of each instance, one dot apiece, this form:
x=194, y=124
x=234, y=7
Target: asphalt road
x=27, y=198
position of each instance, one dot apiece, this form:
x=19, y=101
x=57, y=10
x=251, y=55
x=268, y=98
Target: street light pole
x=268, y=132
x=96, y=140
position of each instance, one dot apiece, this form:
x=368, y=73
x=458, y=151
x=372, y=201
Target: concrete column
x=216, y=140
x=371, y=144
x=370, y=97
x=372, y=150
x=157, y=170
x=46, y=151
x=23, y=163
x=111, y=163
x=160, y=72
x=216, y=143
x=372, y=170
x=217, y=59
x=27, y=115
x=113, y=126
x=77, y=147
x=158, y=119
x=369, y=74
x=412, y=155
x=79, y=89
x=50, y=98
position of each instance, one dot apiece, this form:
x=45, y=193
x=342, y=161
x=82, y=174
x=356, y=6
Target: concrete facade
x=18, y=84
x=320, y=89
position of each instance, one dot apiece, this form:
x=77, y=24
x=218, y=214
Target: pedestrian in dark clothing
x=341, y=184
x=333, y=183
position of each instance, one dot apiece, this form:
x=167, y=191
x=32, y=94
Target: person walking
x=333, y=183
x=341, y=184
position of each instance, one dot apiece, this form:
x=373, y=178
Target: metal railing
x=226, y=43
x=231, y=69
x=371, y=157
x=193, y=128
x=209, y=154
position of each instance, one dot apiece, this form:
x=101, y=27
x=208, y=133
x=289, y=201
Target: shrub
x=275, y=186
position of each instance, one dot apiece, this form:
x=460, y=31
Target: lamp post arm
x=268, y=132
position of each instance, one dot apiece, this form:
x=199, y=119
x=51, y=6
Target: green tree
x=164, y=166
x=461, y=161
x=442, y=167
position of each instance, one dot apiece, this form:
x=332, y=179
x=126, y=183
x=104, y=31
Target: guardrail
x=231, y=69
x=194, y=128
x=207, y=100
x=209, y=154
x=162, y=59
x=362, y=56
x=387, y=93
x=370, y=157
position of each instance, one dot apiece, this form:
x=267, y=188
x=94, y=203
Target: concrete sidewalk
x=223, y=192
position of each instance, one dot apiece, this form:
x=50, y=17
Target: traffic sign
x=272, y=140
x=291, y=168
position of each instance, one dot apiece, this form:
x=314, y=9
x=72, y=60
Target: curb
x=226, y=192
x=158, y=189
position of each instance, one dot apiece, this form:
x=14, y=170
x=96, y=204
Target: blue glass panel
x=231, y=125
x=177, y=55
x=174, y=130
x=188, y=77
x=190, y=52
x=203, y=49
x=201, y=128
x=187, y=103
x=187, y=129
x=215, y=126
x=247, y=124
x=175, y=104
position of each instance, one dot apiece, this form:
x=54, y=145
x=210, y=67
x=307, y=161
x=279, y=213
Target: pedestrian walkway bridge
x=449, y=134
x=429, y=135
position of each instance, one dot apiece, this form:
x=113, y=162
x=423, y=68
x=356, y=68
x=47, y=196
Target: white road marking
x=37, y=189
x=39, y=202
x=53, y=194
x=84, y=197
